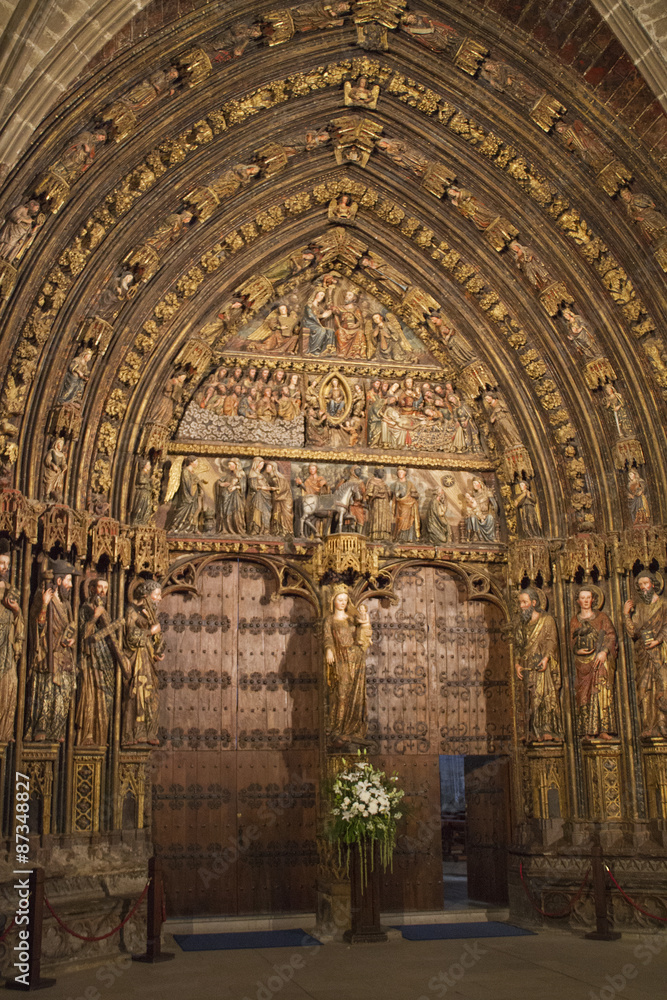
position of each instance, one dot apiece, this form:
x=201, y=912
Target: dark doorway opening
x=475, y=829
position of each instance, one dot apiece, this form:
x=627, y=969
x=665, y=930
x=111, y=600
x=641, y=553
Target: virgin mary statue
x=347, y=636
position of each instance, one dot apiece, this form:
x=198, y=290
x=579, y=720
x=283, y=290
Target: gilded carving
x=538, y=667
x=53, y=186
x=51, y=665
x=99, y=652
x=637, y=500
x=609, y=172
x=529, y=559
x=12, y=630
x=495, y=228
x=87, y=782
x=603, y=782
x=19, y=515
x=143, y=645
x=347, y=634
x=312, y=499
x=645, y=621
x=151, y=551
x=17, y=234
x=354, y=139
x=385, y=12
x=54, y=468
x=360, y=94
x=543, y=108
x=425, y=237
x=594, y=644
x=470, y=55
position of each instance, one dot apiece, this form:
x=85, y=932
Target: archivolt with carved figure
x=331, y=333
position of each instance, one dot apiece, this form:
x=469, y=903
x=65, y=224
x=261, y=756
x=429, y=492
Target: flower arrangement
x=365, y=807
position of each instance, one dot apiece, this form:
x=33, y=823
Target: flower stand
x=365, y=899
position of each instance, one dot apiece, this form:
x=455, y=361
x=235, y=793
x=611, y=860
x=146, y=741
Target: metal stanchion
x=602, y=931
x=29, y=977
x=154, y=951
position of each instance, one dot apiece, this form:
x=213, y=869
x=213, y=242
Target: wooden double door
x=235, y=778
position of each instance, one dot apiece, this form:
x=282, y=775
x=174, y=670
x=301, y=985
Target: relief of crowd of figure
x=389, y=414
x=270, y=498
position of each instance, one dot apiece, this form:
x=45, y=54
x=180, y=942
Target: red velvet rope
x=563, y=913
x=7, y=929
x=83, y=937
x=632, y=902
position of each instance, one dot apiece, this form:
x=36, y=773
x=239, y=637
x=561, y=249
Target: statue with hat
x=538, y=666
x=646, y=623
x=51, y=655
x=100, y=640
x=347, y=636
x=11, y=643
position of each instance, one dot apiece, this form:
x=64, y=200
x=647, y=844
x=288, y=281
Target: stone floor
x=548, y=966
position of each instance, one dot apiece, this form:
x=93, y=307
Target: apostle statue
x=593, y=643
x=11, y=643
x=347, y=636
x=99, y=651
x=51, y=664
x=539, y=668
x=144, y=645
x=646, y=624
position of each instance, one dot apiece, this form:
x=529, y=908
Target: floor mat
x=442, y=932
x=294, y=938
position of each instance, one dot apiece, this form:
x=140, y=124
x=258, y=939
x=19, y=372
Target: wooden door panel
x=277, y=829
x=416, y=881
x=277, y=667
x=212, y=803
x=194, y=793
x=397, y=669
x=487, y=828
x=239, y=694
